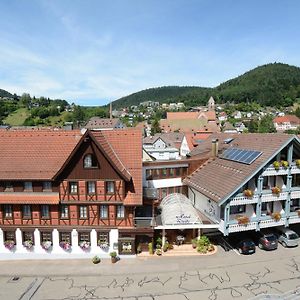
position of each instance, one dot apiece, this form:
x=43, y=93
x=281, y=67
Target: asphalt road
x=225, y=275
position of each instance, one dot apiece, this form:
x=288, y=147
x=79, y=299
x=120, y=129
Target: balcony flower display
x=248, y=193
x=276, y=165
x=242, y=220
x=103, y=245
x=276, y=216
x=65, y=245
x=276, y=190
x=285, y=164
x=28, y=244
x=9, y=244
x=298, y=163
x=46, y=245
x=84, y=245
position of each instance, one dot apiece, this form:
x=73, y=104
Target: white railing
x=270, y=171
x=268, y=197
x=241, y=227
x=241, y=200
x=271, y=223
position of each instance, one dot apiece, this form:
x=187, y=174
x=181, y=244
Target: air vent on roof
x=241, y=155
x=228, y=141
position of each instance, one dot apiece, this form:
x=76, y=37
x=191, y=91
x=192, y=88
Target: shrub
x=96, y=259
x=113, y=254
x=166, y=247
x=150, y=248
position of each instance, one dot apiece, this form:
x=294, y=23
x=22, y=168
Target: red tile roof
x=31, y=155
x=127, y=144
x=29, y=198
x=287, y=119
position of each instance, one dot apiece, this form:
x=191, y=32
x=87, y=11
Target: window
x=177, y=171
x=164, y=172
x=28, y=186
x=7, y=210
x=164, y=192
x=110, y=187
x=64, y=211
x=171, y=172
x=26, y=211
x=83, y=212
x=46, y=236
x=73, y=187
x=237, y=209
x=45, y=212
x=120, y=212
x=103, y=211
x=65, y=237
x=103, y=238
x=177, y=189
x=9, y=187
x=83, y=236
x=148, y=174
x=28, y=236
x=47, y=185
x=9, y=236
x=91, y=187
x=89, y=161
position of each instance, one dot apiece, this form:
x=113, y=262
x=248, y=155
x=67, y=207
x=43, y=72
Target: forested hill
x=274, y=84
x=4, y=93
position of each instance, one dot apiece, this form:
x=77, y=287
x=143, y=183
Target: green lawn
x=18, y=117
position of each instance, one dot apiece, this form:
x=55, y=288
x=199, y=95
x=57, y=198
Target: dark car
x=267, y=240
x=246, y=246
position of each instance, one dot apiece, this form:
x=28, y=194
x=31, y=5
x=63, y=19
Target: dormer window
x=89, y=161
x=28, y=186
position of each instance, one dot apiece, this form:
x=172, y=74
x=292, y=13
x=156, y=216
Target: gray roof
x=220, y=178
x=96, y=123
x=172, y=139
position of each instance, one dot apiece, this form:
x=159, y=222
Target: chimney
x=214, y=147
x=110, y=110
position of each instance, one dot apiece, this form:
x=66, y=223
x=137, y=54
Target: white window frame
x=120, y=212
x=83, y=212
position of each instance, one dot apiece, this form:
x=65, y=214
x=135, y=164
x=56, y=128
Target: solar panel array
x=241, y=155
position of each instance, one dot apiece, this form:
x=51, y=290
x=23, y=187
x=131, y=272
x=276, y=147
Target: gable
x=75, y=167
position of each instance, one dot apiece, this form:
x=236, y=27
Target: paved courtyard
x=225, y=275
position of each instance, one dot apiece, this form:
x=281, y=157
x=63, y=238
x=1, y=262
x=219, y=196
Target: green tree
x=155, y=128
x=253, y=126
x=266, y=124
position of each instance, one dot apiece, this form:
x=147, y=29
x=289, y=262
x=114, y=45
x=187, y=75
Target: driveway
x=224, y=275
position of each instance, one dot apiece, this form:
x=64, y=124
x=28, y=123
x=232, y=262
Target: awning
x=29, y=198
x=178, y=212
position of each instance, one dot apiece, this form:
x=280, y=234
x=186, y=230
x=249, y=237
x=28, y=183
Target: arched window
x=89, y=161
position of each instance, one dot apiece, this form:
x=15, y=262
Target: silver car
x=287, y=237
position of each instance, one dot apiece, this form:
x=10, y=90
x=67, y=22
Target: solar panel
x=241, y=155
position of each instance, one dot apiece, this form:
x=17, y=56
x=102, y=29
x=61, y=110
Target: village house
x=69, y=193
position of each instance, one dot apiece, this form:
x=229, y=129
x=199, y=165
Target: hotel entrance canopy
x=178, y=212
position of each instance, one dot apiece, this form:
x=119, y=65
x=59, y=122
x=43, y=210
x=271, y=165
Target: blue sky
x=93, y=51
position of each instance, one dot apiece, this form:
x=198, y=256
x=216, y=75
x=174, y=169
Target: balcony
x=150, y=193
x=271, y=171
x=144, y=222
x=240, y=199
x=262, y=222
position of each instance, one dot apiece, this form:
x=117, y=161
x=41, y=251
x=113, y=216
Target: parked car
x=266, y=240
x=287, y=237
x=246, y=246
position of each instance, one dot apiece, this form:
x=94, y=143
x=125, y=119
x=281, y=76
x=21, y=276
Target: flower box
x=276, y=165
x=248, y=193
x=285, y=164
x=276, y=216
x=297, y=161
x=84, y=245
x=276, y=190
x=65, y=245
x=9, y=244
x=46, y=245
x=242, y=220
x=28, y=244
x=103, y=245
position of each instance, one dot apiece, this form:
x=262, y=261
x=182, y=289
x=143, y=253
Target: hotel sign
x=183, y=219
